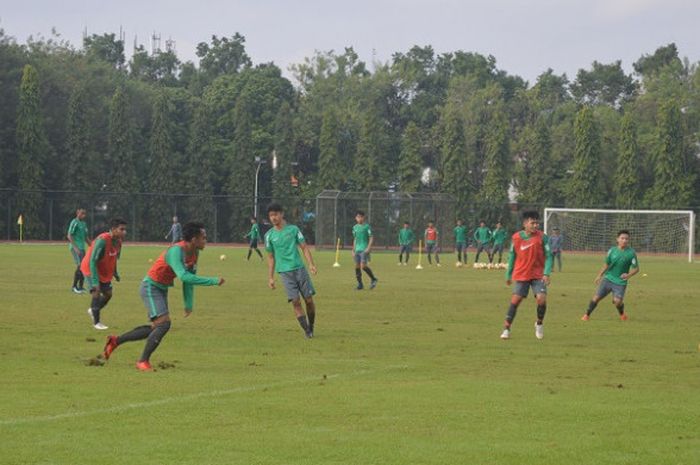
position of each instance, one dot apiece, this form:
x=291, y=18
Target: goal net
x=651, y=231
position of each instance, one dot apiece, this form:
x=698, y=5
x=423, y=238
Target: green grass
x=411, y=373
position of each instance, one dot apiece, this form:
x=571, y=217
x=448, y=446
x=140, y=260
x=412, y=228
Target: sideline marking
x=201, y=395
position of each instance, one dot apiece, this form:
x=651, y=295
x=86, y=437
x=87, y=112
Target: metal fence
x=149, y=215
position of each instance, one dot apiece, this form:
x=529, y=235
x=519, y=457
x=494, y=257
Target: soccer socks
x=358, y=275
x=591, y=306
x=510, y=316
x=154, y=339
x=401, y=258
x=250, y=251
x=430, y=260
x=97, y=304
x=77, y=277
x=303, y=323
x=257, y=251
x=459, y=256
x=311, y=314
x=541, y=310
x=136, y=334
x=621, y=308
x=369, y=273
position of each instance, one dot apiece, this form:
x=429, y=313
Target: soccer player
x=529, y=265
x=482, y=236
x=282, y=243
x=461, y=243
x=498, y=239
x=179, y=260
x=615, y=275
x=100, y=266
x=253, y=238
x=362, y=241
x=431, y=236
x=175, y=233
x=406, y=239
x=77, y=237
x=555, y=244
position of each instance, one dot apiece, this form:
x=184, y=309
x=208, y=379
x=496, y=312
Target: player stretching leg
x=615, y=275
x=362, y=241
x=100, y=265
x=282, y=243
x=179, y=260
x=529, y=265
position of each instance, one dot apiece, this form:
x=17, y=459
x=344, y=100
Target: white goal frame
x=690, y=213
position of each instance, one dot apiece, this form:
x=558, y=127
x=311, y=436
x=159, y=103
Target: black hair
x=482, y=221
x=116, y=222
x=192, y=230
x=254, y=218
x=359, y=212
x=623, y=231
x=274, y=207
x=406, y=222
x=531, y=215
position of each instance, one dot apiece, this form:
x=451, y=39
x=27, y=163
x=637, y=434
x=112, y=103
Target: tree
x=32, y=149
x=121, y=163
x=627, y=183
x=663, y=57
x=165, y=163
x=105, y=48
x=410, y=166
x=223, y=56
x=81, y=170
x=453, y=153
x=284, y=151
x=535, y=184
x=585, y=189
x=673, y=179
x=368, y=174
x=604, y=84
x=497, y=180
x=330, y=166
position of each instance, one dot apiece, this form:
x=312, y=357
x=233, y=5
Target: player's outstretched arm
x=175, y=260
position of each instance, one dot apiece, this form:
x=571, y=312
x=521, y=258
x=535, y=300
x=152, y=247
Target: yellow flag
x=20, y=220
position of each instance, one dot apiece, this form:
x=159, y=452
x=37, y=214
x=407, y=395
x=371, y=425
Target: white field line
x=187, y=398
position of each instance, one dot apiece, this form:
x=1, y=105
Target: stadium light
x=259, y=162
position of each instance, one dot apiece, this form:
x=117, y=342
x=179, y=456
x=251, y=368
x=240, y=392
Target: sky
x=525, y=36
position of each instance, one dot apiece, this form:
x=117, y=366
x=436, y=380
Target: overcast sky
x=525, y=36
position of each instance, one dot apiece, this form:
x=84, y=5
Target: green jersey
x=77, y=230
x=460, y=234
x=620, y=261
x=283, y=244
x=361, y=233
x=499, y=236
x=254, y=233
x=482, y=235
x=406, y=236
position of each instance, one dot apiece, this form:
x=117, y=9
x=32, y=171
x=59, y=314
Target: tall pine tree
x=120, y=173
x=410, y=159
x=165, y=164
x=32, y=148
x=81, y=169
x=453, y=154
x=535, y=185
x=627, y=181
x=585, y=189
x=330, y=167
x=494, y=191
x=368, y=173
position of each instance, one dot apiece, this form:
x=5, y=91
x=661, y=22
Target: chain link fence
x=47, y=214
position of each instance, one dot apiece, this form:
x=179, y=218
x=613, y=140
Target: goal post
x=652, y=231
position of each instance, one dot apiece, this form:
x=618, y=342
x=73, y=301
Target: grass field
x=413, y=372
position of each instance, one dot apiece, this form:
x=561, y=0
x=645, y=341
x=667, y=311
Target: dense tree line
x=88, y=119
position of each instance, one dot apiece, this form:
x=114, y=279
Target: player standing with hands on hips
x=529, y=265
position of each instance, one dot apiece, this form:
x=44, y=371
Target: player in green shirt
x=362, y=241
x=498, y=240
x=282, y=243
x=482, y=236
x=406, y=239
x=253, y=237
x=461, y=243
x=615, y=274
x=77, y=238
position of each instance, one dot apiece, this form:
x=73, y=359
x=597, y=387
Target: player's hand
x=117, y=278
x=546, y=280
x=271, y=283
x=596, y=280
x=509, y=282
x=221, y=281
x=188, y=313
x=625, y=276
x=312, y=269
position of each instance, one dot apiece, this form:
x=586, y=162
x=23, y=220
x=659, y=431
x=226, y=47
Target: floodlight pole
x=259, y=162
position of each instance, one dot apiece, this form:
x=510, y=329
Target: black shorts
x=253, y=243
x=104, y=287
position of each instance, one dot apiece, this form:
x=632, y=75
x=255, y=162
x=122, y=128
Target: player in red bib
x=99, y=266
x=529, y=265
x=178, y=261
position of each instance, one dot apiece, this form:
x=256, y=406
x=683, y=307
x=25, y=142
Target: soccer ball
x=222, y=257
x=490, y=266
x=458, y=264
x=475, y=266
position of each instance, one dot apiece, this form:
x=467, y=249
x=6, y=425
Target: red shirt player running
x=529, y=265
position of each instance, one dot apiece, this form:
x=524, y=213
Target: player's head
x=430, y=224
x=531, y=221
x=555, y=231
x=174, y=219
x=360, y=216
x=275, y=213
x=117, y=227
x=194, y=233
x=253, y=220
x=623, y=238
x=482, y=223
x=459, y=222
x=406, y=224
x=80, y=213
x=499, y=225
